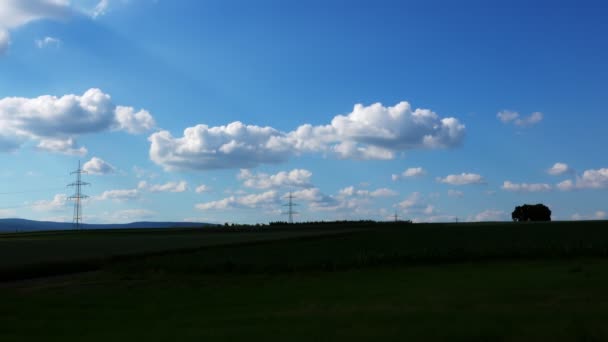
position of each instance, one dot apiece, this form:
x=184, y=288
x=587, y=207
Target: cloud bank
x=368, y=132
x=590, y=179
x=55, y=122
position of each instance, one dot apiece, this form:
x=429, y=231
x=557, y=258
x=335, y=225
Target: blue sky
x=214, y=110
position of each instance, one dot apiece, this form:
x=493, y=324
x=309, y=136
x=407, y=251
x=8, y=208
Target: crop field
x=422, y=282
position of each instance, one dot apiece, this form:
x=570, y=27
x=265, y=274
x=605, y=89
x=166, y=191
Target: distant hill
x=23, y=225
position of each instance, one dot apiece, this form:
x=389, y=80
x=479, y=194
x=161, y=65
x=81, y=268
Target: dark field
x=435, y=282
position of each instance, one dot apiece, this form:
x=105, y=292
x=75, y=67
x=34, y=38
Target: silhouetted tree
x=529, y=212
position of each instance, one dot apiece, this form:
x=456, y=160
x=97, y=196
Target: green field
x=423, y=282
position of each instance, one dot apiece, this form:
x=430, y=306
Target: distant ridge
x=11, y=225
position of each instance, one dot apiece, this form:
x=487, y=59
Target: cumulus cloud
x=55, y=122
x=410, y=172
x=526, y=187
x=414, y=200
x=98, y=166
x=397, y=128
x=462, y=179
x=119, y=195
x=167, y=187
x=264, y=200
x=316, y=199
x=294, y=178
x=348, y=202
x=231, y=146
x=559, y=169
x=132, y=121
x=566, y=185
x=372, y=132
x=507, y=116
x=590, y=179
x=48, y=42
x=490, y=215
x=16, y=13
x=58, y=203
x=64, y=146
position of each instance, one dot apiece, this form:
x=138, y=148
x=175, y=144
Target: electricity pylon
x=78, y=196
x=290, y=206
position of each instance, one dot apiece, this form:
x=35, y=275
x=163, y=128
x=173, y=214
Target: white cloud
x=202, y=188
x=181, y=186
x=58, y=203
x=507, y=116
x=417, y=205
x=410, y=172
x=203, y=147
x=566, y=185
x=294, y=178
x=559, y=169
x=48, y=42
x=526, y=187
x=264, y=200
x=56, y=121
x=381, y=192
x=97, y=166
x=455, y=193
x=119, y=195
x=16, y=13
x=590, y=179
x=134, y=122
x=533, y=119
x=414, y=200
x=396, y=128
x=462, y=179
x=372, y=132
x=598, y=215
x=490, y=215
x=317, y=200
x=64, y=146
x=5, y=41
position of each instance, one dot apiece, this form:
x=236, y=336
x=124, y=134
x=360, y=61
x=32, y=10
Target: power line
x=290, y=206
x=78, y=196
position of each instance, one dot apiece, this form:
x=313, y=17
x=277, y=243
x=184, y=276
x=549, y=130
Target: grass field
x=464, y=282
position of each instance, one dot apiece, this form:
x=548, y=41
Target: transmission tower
x=78, y=196
x=290, y=206
x=396, y=217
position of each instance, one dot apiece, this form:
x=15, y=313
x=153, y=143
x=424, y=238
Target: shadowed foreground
x=353, y=287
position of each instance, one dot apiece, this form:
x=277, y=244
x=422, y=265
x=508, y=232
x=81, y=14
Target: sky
x=214, y=111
